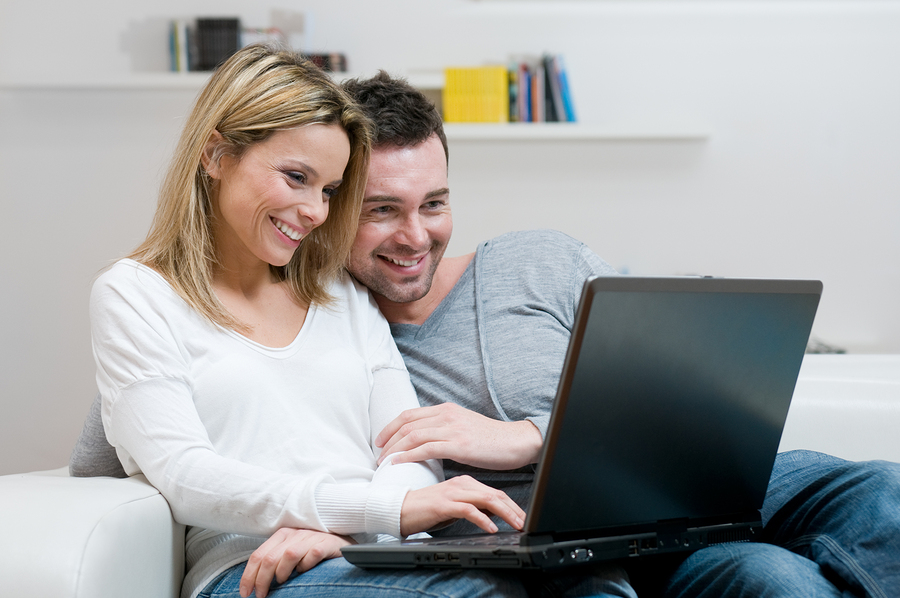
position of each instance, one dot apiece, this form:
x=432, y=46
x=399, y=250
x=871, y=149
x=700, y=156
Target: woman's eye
x=329, y=193
x=297, y=176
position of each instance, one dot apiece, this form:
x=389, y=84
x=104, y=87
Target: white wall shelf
x=137, y=81
x=164, y=81
x=431, y=82
x=571, y=132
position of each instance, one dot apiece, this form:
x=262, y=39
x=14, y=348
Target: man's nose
x=413, y=232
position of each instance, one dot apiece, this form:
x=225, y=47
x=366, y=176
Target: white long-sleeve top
x=242, y=439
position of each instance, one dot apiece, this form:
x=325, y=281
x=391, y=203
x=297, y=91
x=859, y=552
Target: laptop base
x=464, y=553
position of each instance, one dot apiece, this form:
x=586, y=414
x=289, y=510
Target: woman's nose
x=313, y=212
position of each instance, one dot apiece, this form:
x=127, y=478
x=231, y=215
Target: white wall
x=799, y=176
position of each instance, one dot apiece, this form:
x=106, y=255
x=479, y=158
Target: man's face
x=405, y=223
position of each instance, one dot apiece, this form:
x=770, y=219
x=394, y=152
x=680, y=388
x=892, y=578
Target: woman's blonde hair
x=258, y=91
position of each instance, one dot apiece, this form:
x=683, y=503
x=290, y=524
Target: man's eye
x=381, y=210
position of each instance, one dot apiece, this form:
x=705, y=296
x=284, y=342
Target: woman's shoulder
x=351, y=296
x=137, y=286
x=355, y=311
x=128, y=272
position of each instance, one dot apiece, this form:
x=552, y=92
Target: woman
x=241, y=370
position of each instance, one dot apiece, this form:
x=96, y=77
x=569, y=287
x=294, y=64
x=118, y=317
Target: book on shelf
x=557, y=75
x=531, y=89
x=476, y=94
x=330, y=61
x=216, y=40
x=538, y=99
x=205, y=43
x=523, y=91
x=553, y=92
x=514, y=108
x=541, y=89
x=179, y=47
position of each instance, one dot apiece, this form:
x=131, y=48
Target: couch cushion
x=847, y=406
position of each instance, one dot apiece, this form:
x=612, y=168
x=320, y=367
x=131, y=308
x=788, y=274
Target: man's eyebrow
x=382, y=199
x=395, y=199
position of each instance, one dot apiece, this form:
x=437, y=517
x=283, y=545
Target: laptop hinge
x=536, y=539
x=672, y=526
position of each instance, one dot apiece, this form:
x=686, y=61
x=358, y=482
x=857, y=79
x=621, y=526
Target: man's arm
x=449, y=431
x=530, y=298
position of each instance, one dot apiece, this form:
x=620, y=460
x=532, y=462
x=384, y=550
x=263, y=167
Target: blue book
x=565, y=92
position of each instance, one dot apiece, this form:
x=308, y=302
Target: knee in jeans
x=887, y=472
x=880, y=477
x=740, y=557
x=739, y=569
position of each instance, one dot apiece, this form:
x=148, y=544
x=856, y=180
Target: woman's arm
x=145, y=339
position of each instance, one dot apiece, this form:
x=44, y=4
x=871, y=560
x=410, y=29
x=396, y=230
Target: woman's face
x=275, y=194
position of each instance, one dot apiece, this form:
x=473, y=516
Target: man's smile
x=405, y=263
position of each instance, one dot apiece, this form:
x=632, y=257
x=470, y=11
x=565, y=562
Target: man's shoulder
x=546, y=258
x=543, y=251
x=528, y=242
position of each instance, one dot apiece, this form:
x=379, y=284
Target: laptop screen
x=672, y=401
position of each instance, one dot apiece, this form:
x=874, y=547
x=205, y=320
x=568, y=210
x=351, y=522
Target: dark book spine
x=216, y=40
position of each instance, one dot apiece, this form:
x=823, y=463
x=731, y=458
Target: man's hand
x=449, y=431
x=461, y=497
x=287, y=550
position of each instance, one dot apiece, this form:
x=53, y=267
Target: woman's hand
x=285, y=551
x=461, y=497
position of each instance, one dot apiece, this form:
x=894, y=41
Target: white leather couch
x=104, y=537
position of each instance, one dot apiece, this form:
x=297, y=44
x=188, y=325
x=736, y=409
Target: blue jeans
x=831, y=529
x=337, y=578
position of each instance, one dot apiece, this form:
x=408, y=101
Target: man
x=457, y=320
x=484, y=337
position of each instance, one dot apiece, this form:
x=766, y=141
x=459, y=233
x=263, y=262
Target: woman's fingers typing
x=458, y=498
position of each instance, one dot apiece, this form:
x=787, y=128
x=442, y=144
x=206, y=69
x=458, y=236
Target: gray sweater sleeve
x=528, y=286
x=586, y=265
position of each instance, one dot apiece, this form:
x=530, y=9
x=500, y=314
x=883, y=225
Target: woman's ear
x=210, y=156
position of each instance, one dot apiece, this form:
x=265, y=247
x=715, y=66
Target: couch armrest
x=847, y=406
x=88, y=538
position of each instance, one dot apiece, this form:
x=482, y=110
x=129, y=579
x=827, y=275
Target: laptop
x=667, y=419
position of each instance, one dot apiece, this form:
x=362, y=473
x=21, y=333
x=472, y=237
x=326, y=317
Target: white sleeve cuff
x=350, y=508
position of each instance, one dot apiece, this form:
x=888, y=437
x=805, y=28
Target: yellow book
x=476, y=94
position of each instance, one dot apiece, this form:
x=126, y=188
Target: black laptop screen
x=674, y=402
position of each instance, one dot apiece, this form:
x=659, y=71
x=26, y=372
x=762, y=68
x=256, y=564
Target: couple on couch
x=259, y=388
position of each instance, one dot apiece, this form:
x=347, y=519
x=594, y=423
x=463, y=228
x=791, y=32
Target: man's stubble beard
x=409, y=289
